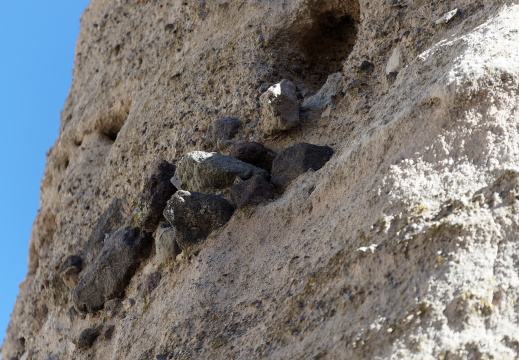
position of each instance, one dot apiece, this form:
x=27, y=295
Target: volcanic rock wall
x=404, y=245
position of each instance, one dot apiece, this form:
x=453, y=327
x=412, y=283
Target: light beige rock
x=279, y=107
x=403, y=247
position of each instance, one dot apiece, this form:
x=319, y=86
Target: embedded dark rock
x=86, y=339
x=253, y=153
x=194, y=215
x=222, y=129
x=251, y=192
x=297, y=159
x=208, y=172
x=111, y=220
x=111, y=272
x=152, y=281
x=154, y=196
x=366, y=66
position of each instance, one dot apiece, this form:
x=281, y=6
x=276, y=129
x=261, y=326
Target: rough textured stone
x=222, y=129
x=70, y=270
x=208, y=172
x=382, y=254
x=251, y=192
x=279, y=107
x=151, y=283
x=110, y=221
x=253, y=153
x=156, y=192
x=86, y=338
x=325, y=96
x=297, y=159
x=111, y=272
x=194, y=216
x=165, y=243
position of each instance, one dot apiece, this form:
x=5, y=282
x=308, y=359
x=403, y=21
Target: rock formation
x=402, y=246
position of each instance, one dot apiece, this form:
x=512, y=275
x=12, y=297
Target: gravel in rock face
x=194, y=215
x=222, y=129
x=156, y=192
x=253, y=153
x=111, y=220
x=111, y=272
x=205, y=172
x=251, y=192
x=86, y=338
x=279, y=107
x=297, y=159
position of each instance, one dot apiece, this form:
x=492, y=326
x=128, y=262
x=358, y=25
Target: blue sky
x=37, y=40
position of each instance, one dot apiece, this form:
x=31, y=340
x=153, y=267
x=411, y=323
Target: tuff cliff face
x=403, y=245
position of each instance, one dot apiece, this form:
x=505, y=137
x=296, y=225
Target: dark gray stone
x=209, y=172
x=251, y=192
x=154, y=196
x=194, y=216
x=152, y=281
x=253, y=153
x=111, y=272
x=297, y=159
x=86, y=339
x=111, y=220
x=366, y=66
x=222, y=129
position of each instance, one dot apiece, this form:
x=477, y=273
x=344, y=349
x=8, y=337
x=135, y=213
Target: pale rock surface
x=279, y=107
x=404, y=246
x=324, y=96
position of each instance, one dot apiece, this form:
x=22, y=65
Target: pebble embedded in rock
x=152, y=281
x=70, y=270
x=156, y=192
x=194, y=215
x=297, y=159
x=222, y=129
x=108, y=332
x=253, y=153
x=111, y=272
x=326, y=94
x=111, y=220
x=251, y=192
x=279, y=107
x=366, y=66
x=166, y=244
x=86, y=339
x=209, y=172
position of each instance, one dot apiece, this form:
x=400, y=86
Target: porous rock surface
x=404, y=246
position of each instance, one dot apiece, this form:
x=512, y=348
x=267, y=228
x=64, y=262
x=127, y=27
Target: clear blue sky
x=37, y=42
